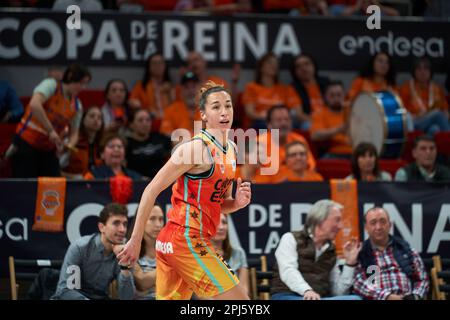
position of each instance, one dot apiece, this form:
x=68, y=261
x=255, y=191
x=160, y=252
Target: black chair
x=29, y=271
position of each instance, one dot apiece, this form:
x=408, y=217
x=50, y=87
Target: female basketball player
x=203, y=168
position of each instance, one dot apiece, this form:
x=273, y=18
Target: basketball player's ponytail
x=208, y=88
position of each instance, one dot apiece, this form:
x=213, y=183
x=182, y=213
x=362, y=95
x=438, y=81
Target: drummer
x=329, y=126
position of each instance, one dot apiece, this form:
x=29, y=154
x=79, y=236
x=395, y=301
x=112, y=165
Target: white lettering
x=175, y=35
x=29, y=37
x=9, y=52
x=109, y=40
x=286, y=41
x=439, y=233
x=75, y=39
x=201, y=39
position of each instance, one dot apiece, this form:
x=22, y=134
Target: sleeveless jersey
x=197, y=199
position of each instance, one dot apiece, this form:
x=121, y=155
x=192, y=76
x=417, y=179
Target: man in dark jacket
x=388, y=269
x=425, y=167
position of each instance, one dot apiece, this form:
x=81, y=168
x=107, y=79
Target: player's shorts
x=187, y=263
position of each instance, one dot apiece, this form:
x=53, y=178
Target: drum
x=379, y=118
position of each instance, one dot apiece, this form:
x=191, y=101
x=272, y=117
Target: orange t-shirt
x=79, y=161
x=315, y=96
x=257, y=178
x=263, y=98
x=287, y=175
x=292, y=136
x=178, y=116
x=361, y=84
x=416, y=98
x=327, y=119
x=150, y=98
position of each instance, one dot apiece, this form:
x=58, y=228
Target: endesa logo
x=401, y=46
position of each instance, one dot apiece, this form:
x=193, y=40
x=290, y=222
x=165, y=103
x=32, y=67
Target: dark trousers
x=29, y=162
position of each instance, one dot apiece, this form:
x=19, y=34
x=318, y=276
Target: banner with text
x=42, y=37
x=420, y=214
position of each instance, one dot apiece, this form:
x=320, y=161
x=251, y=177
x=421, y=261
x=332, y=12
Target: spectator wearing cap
x=182, y=113
x=388, y=268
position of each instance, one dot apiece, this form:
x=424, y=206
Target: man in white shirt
x=306, y=266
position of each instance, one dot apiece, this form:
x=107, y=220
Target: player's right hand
x=130, y=253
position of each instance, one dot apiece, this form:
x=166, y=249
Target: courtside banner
x=112, y=39
x=420, y=214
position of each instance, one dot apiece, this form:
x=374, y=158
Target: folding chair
x=30, y=268
x=440, y=287
x=260, y=280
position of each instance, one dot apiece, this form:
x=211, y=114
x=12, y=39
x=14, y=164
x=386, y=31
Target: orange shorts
x=187, y=263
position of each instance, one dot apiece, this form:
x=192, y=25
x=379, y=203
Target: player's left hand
x=243, y=194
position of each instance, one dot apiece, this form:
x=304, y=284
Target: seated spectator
x=266, y=91
x=306, y=265
x=53, y=109
x=112, y=152
x=182, y=113
x=425, y=100
x=11, y=109
x=329, y=124
x=92, y=261
x=234, y=256
x=144, y=270
x=278, y=118
x=365, y=166
x=379, y=74
x=296, y=167
x=401, y=273
x=247, y=168
x=85, y=5
x=308, y=84
x=197, y=64
x=360, y=9
x=425, y=167
x=147, y=151
x=115, y=109
x=155, y=92
x=86, y=153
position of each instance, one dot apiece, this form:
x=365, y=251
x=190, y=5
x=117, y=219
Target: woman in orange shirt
x=86, y=154
x=155, y=92
x=425, y=99
x=378, y=75
x=115, y=109
x=259, y=96
x=309, y=85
